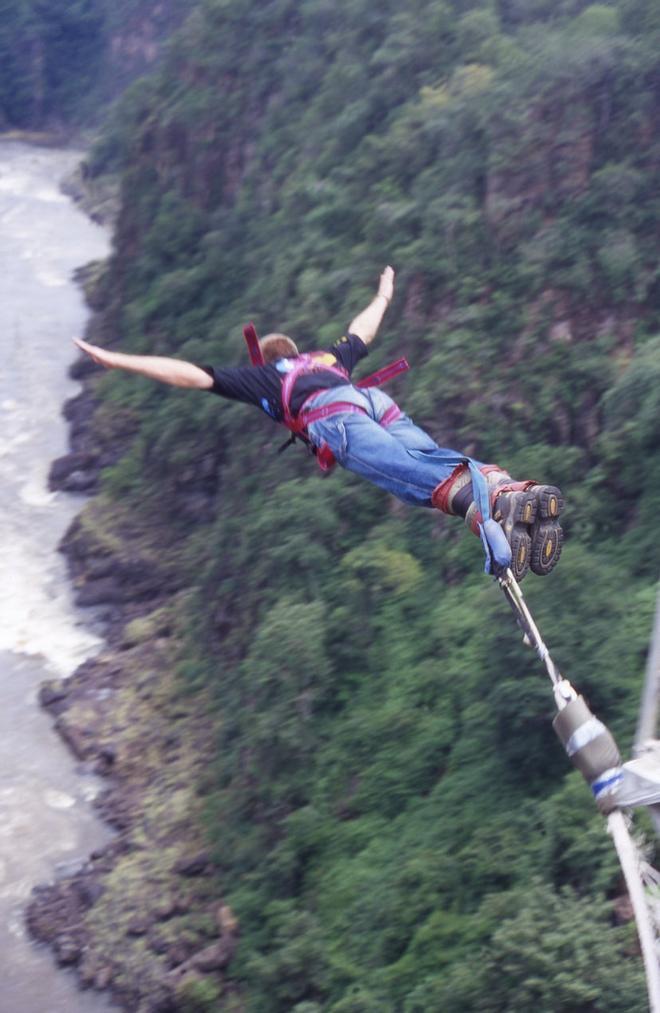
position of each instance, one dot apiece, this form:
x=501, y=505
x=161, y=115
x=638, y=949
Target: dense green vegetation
x=62, y=60
x=49, y=58
x=391, y=816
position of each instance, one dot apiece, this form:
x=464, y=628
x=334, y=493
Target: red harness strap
x=254, y=348
x=383, y=375
x=311, y=363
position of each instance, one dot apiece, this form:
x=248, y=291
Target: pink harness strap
x=310, y=415
x=305, y=417
x=324, y=456
x=391, y=415
x=325, y=411
x=305, y=365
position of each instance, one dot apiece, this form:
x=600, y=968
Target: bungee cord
x=616, y=786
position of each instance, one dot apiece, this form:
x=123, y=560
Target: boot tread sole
x=531, y=524
x=546, y=533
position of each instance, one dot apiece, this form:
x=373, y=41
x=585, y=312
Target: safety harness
x=496, y=547
x=310, y=363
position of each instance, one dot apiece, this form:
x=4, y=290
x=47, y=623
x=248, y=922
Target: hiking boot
x=515, y=512
x=547, y=535
x=527, y=512
x=529, y=516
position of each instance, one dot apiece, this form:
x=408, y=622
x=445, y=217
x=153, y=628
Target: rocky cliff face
x=136, y=32
x=62, y=65
x=266, y=174
x=144, y=916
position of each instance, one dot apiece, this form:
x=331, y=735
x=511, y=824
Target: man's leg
x=402, y=428
x=527, y=511
x=404, y=431
x=404, y=460
x=363, y=446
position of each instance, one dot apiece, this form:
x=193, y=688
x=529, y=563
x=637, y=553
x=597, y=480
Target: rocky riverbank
x=144, y=917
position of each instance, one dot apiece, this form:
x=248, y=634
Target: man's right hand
x=99, y=355
x=175, y=372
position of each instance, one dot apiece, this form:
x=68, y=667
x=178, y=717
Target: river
x=47, y=822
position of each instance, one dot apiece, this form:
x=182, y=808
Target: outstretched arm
x=368, y=321
x=173, y=371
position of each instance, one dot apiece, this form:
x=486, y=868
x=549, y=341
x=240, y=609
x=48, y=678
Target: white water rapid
x=46, y=819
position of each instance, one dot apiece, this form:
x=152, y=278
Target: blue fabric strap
x=493, y=539
x=496, y=548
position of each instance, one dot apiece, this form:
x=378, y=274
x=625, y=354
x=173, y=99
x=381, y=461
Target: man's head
x=277, y=346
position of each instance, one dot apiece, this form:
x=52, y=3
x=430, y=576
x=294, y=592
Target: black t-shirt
x=262, y=385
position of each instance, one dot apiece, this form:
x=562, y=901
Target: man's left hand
x=386, y=284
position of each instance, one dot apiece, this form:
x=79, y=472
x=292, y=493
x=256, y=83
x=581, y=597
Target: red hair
x=278, y=346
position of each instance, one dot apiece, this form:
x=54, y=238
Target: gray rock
x=52, y=692
x=78, y=481
x=79, y=740
x=138, y=926
x=62, y=470
x=106, y=590
x=103, y=978
x=215, y=956
x=89, y=890
x=68, y=950
x=193, y=865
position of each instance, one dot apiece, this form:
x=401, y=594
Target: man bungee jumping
x=364, y=430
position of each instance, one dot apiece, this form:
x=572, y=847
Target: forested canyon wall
x=61, y=64
x=361, y=692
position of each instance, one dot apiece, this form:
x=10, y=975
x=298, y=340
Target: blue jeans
x=401, y=459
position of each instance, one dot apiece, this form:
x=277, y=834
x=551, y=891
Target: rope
x=563, y=690
x=629, y=857
x=642, y=880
